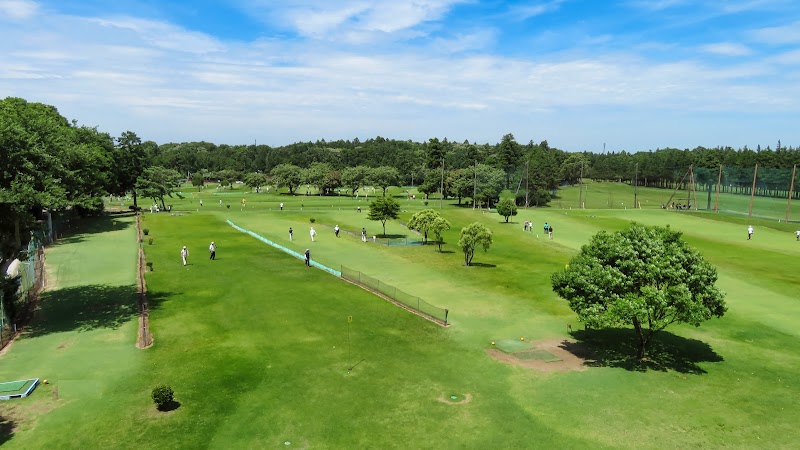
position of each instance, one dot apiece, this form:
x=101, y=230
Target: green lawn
x=257, y=346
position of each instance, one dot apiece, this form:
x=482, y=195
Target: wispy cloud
x=727, y=49
x=785, y=34
x=18, y=9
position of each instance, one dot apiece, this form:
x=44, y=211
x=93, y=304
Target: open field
x=257, y=347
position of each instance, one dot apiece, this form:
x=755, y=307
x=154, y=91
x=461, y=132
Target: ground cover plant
x=257, y=346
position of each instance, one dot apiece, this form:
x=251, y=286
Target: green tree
x=287, y=175
x=509, y=153
x=573, y=166
x=130, y=161
x=255, y=180
x=384, y=176
x=383, y=209
x=439, y=226
x=158, y=182
x=507, y=208
x=198, y=180
x=647, y=277
x=422, y=222
x=473, y=236
x=355, y=178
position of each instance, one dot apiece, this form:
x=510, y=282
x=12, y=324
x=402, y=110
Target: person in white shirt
x=749, y=232
x=313, y=233
x=184, y=254
x=212, y=249
x=336, y=230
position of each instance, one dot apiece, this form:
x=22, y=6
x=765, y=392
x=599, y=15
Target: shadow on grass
x=84, y=308
x=616, y=347
x=171, y=406
x=479, y=264
x=6, y=429
x=392, y=236
x=72, y=231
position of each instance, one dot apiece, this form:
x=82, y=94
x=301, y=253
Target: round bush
x=162, y=396
x=313, y=220
x=145, y=231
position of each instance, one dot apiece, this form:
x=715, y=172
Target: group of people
x=212, y=250
x=750, y=233
x=548, y=229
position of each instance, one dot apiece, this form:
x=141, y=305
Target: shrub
x=313, y=220
x=149, y=265
x=145, y=231
x=425, y=203
x=163, y=396
x=150, y=241
x=228, y=206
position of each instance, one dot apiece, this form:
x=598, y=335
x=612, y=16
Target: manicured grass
x=257, y=347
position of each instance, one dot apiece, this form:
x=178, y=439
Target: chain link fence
x=407, y=301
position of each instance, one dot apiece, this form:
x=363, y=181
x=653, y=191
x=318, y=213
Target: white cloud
x=727, y=49
x=786, y=34
x=526, y=11
x=164, y=35
x=18, y=9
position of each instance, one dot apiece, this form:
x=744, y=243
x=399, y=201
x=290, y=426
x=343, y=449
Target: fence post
x=446, y=311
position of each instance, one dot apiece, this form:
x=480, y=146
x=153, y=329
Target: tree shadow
x=84, y=308
x=479, y=264
x=7, y=427
x=616, y=347
x=171, y=406
x=391, y=236
x=73, y=231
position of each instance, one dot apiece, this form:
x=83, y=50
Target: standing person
x=359, y=209
x=212, y=249
x=291, y=234
x=363, y=235
x=308, y=258
x=184, y=254
x=281, y=206
x=550, y=231
x=313, y=233
x=546, y=227
x=244, y=202
x=749, y=232
x=220, y=202
x=797, y=233
x=201, y=202
x=336, y=230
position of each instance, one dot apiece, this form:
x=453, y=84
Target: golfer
x=797, y=233
x=363, y=235
x=336, y=230
x=308, y=258
x=184, y=254
x=749, y=232
x=212, y=249
x=291, y=234
x=281, y=206
x=313, y=233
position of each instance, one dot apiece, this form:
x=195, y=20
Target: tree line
x=48, y=162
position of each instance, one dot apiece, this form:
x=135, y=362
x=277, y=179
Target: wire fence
x=407, y=301
x=17, y=305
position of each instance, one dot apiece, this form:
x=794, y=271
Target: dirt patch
x=462, y=400
x=571, y=356
x=143, y=338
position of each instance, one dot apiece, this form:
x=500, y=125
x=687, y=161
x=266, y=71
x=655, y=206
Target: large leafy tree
x=158, y=182
x=383, y=209
x=509, y=154
x=439, y=226
x=473, y=236
x=384, y=176
x=255, y=180
x=646, y=277
x=287, y=175
x=130, y=160
x=422, y=222
x=356, y=177
x=507, y=208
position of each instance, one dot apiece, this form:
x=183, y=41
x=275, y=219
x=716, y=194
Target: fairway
x=262, y=351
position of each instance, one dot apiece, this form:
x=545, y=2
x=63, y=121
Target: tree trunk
x=642, y=349
x=135, y=205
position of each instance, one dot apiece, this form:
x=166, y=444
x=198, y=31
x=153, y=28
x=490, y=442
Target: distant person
x=336, y=230
x=291, y=234
x=313, y=233
x=546, y=227
x=749, y=232
x=363, y=235
x=308, y=258
x=220, y=202
x=359, y=209
x=184, y=254
x=281, y=206
x=212, y=250
x=550, y=232
x=797, y=233
x=244, y=202
x=201, y=202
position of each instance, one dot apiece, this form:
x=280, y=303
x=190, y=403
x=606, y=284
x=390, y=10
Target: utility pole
x=441, y=198
x=580, y=189
x=475, y=184
x=635, y=188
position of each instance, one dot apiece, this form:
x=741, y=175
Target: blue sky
x=630, y=74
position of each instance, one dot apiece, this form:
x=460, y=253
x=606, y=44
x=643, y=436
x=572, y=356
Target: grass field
x=257, y=347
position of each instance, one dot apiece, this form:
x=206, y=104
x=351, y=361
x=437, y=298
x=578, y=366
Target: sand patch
x=566, y=356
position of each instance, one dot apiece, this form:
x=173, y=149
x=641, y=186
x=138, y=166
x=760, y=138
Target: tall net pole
x=753, y=191
x=791, y=193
